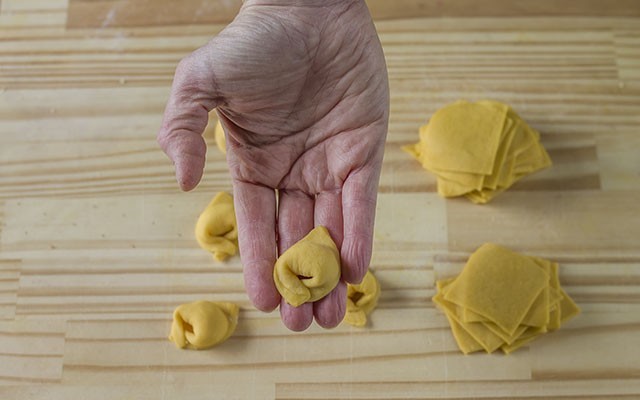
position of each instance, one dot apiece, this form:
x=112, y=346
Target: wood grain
x=526, y=221
x=97, y=246
x=9, y=282
x=127, y=13
x=516, y=390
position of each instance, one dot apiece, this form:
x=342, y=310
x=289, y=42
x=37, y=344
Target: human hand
x=301, y=90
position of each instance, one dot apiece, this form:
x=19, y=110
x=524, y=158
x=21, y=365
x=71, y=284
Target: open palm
x=302, y=93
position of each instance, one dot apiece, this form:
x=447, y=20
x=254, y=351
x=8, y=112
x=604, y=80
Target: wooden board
x=120, y=13
x=97, y=246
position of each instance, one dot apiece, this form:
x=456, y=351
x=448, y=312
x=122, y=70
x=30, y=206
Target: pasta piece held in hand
x=361, y=300
x=309, y=269
x=203, y=324
x=216, y=229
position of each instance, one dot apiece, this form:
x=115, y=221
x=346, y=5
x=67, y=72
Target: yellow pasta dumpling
x=216, y=229
x=203, y=324
x=362, y=298
x=309, y=269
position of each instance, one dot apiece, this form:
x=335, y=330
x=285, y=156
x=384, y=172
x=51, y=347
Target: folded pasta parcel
x=478, y=149
x=309, y=269
x=203, y=324
x=503, y=299
x=362, y=298
x=216, y=229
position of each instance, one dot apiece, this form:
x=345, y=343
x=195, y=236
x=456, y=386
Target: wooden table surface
x=97, y=243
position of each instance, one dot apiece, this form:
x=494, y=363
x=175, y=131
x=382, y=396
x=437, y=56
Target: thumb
x=193, y=95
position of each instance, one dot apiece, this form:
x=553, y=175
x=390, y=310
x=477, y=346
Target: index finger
x=256, y=214
x=359, y=195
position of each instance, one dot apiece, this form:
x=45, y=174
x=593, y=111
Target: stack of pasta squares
x=478, y=149
x=503, y=300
